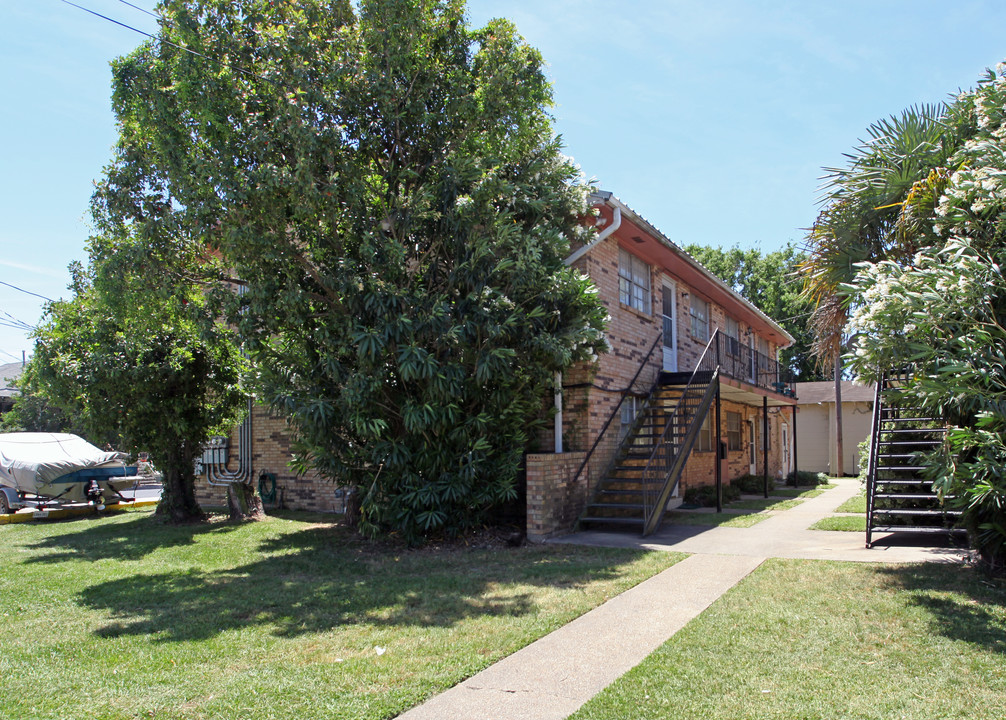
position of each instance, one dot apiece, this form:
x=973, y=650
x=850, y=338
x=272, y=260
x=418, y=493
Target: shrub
x=752, y=484
x=705, y=495
x=805, y=478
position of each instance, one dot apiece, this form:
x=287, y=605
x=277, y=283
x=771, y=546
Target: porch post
x=764, y=441
x=719, y=446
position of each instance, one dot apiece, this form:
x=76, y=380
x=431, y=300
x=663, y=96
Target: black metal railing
x=739, y=361
x=605, y=446
x=871, y=467
x=681, y=429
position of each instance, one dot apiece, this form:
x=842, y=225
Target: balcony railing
x=742, y=362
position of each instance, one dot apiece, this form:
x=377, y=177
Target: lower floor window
x=705, y=441
x=630, y=407
x=733, y=431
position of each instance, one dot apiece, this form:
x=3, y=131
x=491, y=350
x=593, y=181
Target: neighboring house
x=815, y=442
x=665, y=309
x=8, y=374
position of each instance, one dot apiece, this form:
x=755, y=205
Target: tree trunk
x=178, y=498
x=839, y=466
x=244, y=502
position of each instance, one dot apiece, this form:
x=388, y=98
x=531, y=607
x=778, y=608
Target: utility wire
x=26, y=292
x=166, y=41
x=137, y=7
x=10, y=355
x=22, y=323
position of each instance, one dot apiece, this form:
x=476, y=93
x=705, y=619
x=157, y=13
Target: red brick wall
x=631, y=333
x=554, y=499
x=271, y=453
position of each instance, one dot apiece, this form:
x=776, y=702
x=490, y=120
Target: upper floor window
x=698, y=309
x=633, y=281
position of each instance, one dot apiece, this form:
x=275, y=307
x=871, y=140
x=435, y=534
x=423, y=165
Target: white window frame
x=699, y=321
x=633, y=282
x=735, y=435
x=627, y=415
x=704, y=443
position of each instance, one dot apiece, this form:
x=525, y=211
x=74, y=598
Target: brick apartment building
x=665, y=311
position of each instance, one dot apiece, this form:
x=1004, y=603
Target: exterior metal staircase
x=647, y=467
x=898, y=496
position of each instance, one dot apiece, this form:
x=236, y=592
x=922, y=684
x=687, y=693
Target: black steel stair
x=899, y=497
x=664, y=427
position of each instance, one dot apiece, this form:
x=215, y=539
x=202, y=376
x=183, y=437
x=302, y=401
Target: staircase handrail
x=618, y=407
x=871, y=465
x=690, y=387
x=654, y=516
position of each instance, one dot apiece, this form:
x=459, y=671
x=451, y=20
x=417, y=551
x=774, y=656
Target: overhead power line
x=137, y=7
x=26, y=292
x=164, y=40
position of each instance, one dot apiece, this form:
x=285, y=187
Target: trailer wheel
x=5, y=508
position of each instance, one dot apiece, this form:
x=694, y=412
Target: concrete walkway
x=551, y=678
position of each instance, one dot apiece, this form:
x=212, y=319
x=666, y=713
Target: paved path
x=551, y=678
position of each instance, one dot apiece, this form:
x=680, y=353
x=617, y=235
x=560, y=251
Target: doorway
x=669, y=308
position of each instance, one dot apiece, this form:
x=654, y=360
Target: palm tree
x=879, y=206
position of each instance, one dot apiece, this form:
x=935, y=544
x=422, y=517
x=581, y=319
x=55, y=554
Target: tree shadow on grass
x=963, y=605
x=129, y=538
x=320, y=578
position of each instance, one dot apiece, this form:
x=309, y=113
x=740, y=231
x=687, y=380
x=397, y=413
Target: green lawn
x=763, y=505
x=843, y=523
x=800, y=493
x=815, y=640
x=725, y=519
x=855, y=504
x=121, y=617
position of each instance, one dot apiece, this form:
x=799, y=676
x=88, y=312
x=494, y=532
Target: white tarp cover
x=30, y=460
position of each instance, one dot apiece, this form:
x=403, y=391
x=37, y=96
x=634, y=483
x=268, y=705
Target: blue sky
x=713, y=120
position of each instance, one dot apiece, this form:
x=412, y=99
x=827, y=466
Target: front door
x=786, y=469
x=669, y=307
x=753, y=446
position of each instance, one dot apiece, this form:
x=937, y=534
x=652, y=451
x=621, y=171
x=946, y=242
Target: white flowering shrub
x=941, y=317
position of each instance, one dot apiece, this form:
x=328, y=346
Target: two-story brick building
x=668, y=316
x=619, y=415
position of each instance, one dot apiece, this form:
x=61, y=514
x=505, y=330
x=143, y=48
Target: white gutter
x=616, y=221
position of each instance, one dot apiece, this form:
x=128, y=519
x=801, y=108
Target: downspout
x=616, y=221
x=558, y=413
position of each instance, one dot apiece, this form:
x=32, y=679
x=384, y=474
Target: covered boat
x=63, y=467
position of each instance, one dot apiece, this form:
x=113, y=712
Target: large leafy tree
x=767, y=281
x=941, y=316
x=138, y=356
x=386, y=184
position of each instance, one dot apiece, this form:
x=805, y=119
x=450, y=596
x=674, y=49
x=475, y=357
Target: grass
x=725, y=519
x=855, y=504
x=765, y=505
x=844, y=523
x=795, y=639
x=121, y=617
x=797, y=492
